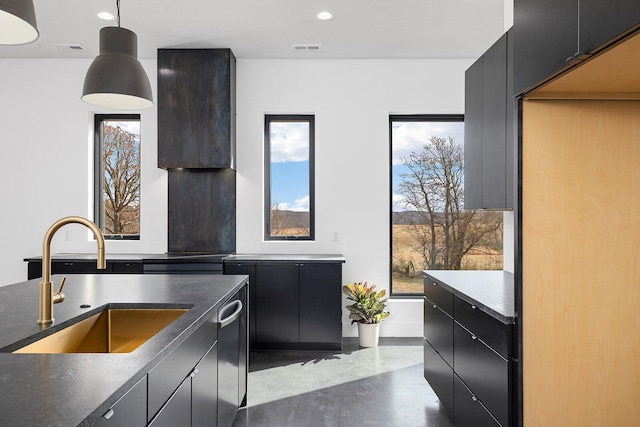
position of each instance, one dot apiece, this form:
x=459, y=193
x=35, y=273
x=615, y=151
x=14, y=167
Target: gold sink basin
x=114, y=330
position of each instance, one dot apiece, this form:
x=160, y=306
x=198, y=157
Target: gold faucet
x=47, y=296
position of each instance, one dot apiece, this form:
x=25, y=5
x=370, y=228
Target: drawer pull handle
x=107, y=415
x=224, y=321
x=473, y=337
x=475, y=399
x=473, y=307
x=435, y=306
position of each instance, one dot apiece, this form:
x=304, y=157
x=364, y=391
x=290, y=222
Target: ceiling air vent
x=69, y=47
x=306, y=47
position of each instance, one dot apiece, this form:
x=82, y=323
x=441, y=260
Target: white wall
x=46, y=147
x=351, y=100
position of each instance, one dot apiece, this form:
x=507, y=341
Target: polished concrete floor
x=381, y=386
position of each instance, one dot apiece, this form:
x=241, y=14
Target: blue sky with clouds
x=410, y=137
x=290, y=165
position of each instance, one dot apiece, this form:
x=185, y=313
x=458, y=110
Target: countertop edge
x=482, y=305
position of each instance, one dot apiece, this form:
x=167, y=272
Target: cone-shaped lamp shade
x=17, y=22
x=116, y=78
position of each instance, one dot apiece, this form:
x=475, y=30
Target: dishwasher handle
x=233, y=316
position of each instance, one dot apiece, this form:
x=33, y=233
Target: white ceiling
x=380, y=29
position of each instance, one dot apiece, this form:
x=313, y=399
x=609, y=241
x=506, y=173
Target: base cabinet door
x=277, y=307
x=130, y=410
x=320, y=303
x=439, y=375
x=204, y=392
x=177, y=411
x=469, y=410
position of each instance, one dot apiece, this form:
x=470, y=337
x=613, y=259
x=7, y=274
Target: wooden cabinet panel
x=320, y=303
x=469, y=411
x=277, y=310
x=440, y=377
x=438, y=330
x=130, y=410
x=196, y=111
x=484, y=371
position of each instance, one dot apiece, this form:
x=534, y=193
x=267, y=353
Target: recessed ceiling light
x=325, y=15
x=107, y=16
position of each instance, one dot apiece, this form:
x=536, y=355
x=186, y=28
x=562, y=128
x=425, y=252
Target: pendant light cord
x=118, y=7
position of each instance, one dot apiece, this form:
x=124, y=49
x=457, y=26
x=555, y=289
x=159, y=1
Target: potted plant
x=367, y=311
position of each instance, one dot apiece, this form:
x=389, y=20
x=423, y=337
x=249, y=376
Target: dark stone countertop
x=491, y=291
x=283, y=258
x=76, y=389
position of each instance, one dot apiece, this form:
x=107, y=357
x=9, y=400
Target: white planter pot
x=368, y=334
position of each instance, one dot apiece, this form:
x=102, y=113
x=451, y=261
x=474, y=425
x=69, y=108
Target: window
x=289, y=177
x=430, y=230
x=117, y=175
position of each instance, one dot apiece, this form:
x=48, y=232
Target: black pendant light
x=116, y=78
x=17, y=22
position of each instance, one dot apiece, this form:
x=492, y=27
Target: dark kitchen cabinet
x=204, y=396
x=469, y=410
x=467, y=359
x=232, y=356
x=553, y=35
x=489, y=137
x=34, y=267
x=249, y=269
x=130, y=410
x=320, y=303
x=177, y=410
x=196, y=108
x=293, y=305
x=277, y=309
x=439, y=375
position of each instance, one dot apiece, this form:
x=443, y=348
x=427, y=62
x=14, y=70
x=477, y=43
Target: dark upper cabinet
x=473, y=135
x=552, y=35
x=545, y=34
x=489, y=133
x=604, y=21
x=196, y=108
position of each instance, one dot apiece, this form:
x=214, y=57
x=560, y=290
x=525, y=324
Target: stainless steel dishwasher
x=232, y=357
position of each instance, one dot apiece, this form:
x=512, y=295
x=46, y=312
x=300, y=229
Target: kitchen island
x=78, y=389
x=469, y=345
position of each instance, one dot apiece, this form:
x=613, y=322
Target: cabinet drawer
x=439, y=375
x=127, y=267
x=469, y=411
x=438, y=296
x=438, y=330
x=484, y=371
x=489, y=329
x=130, y=410
x=165, y=377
